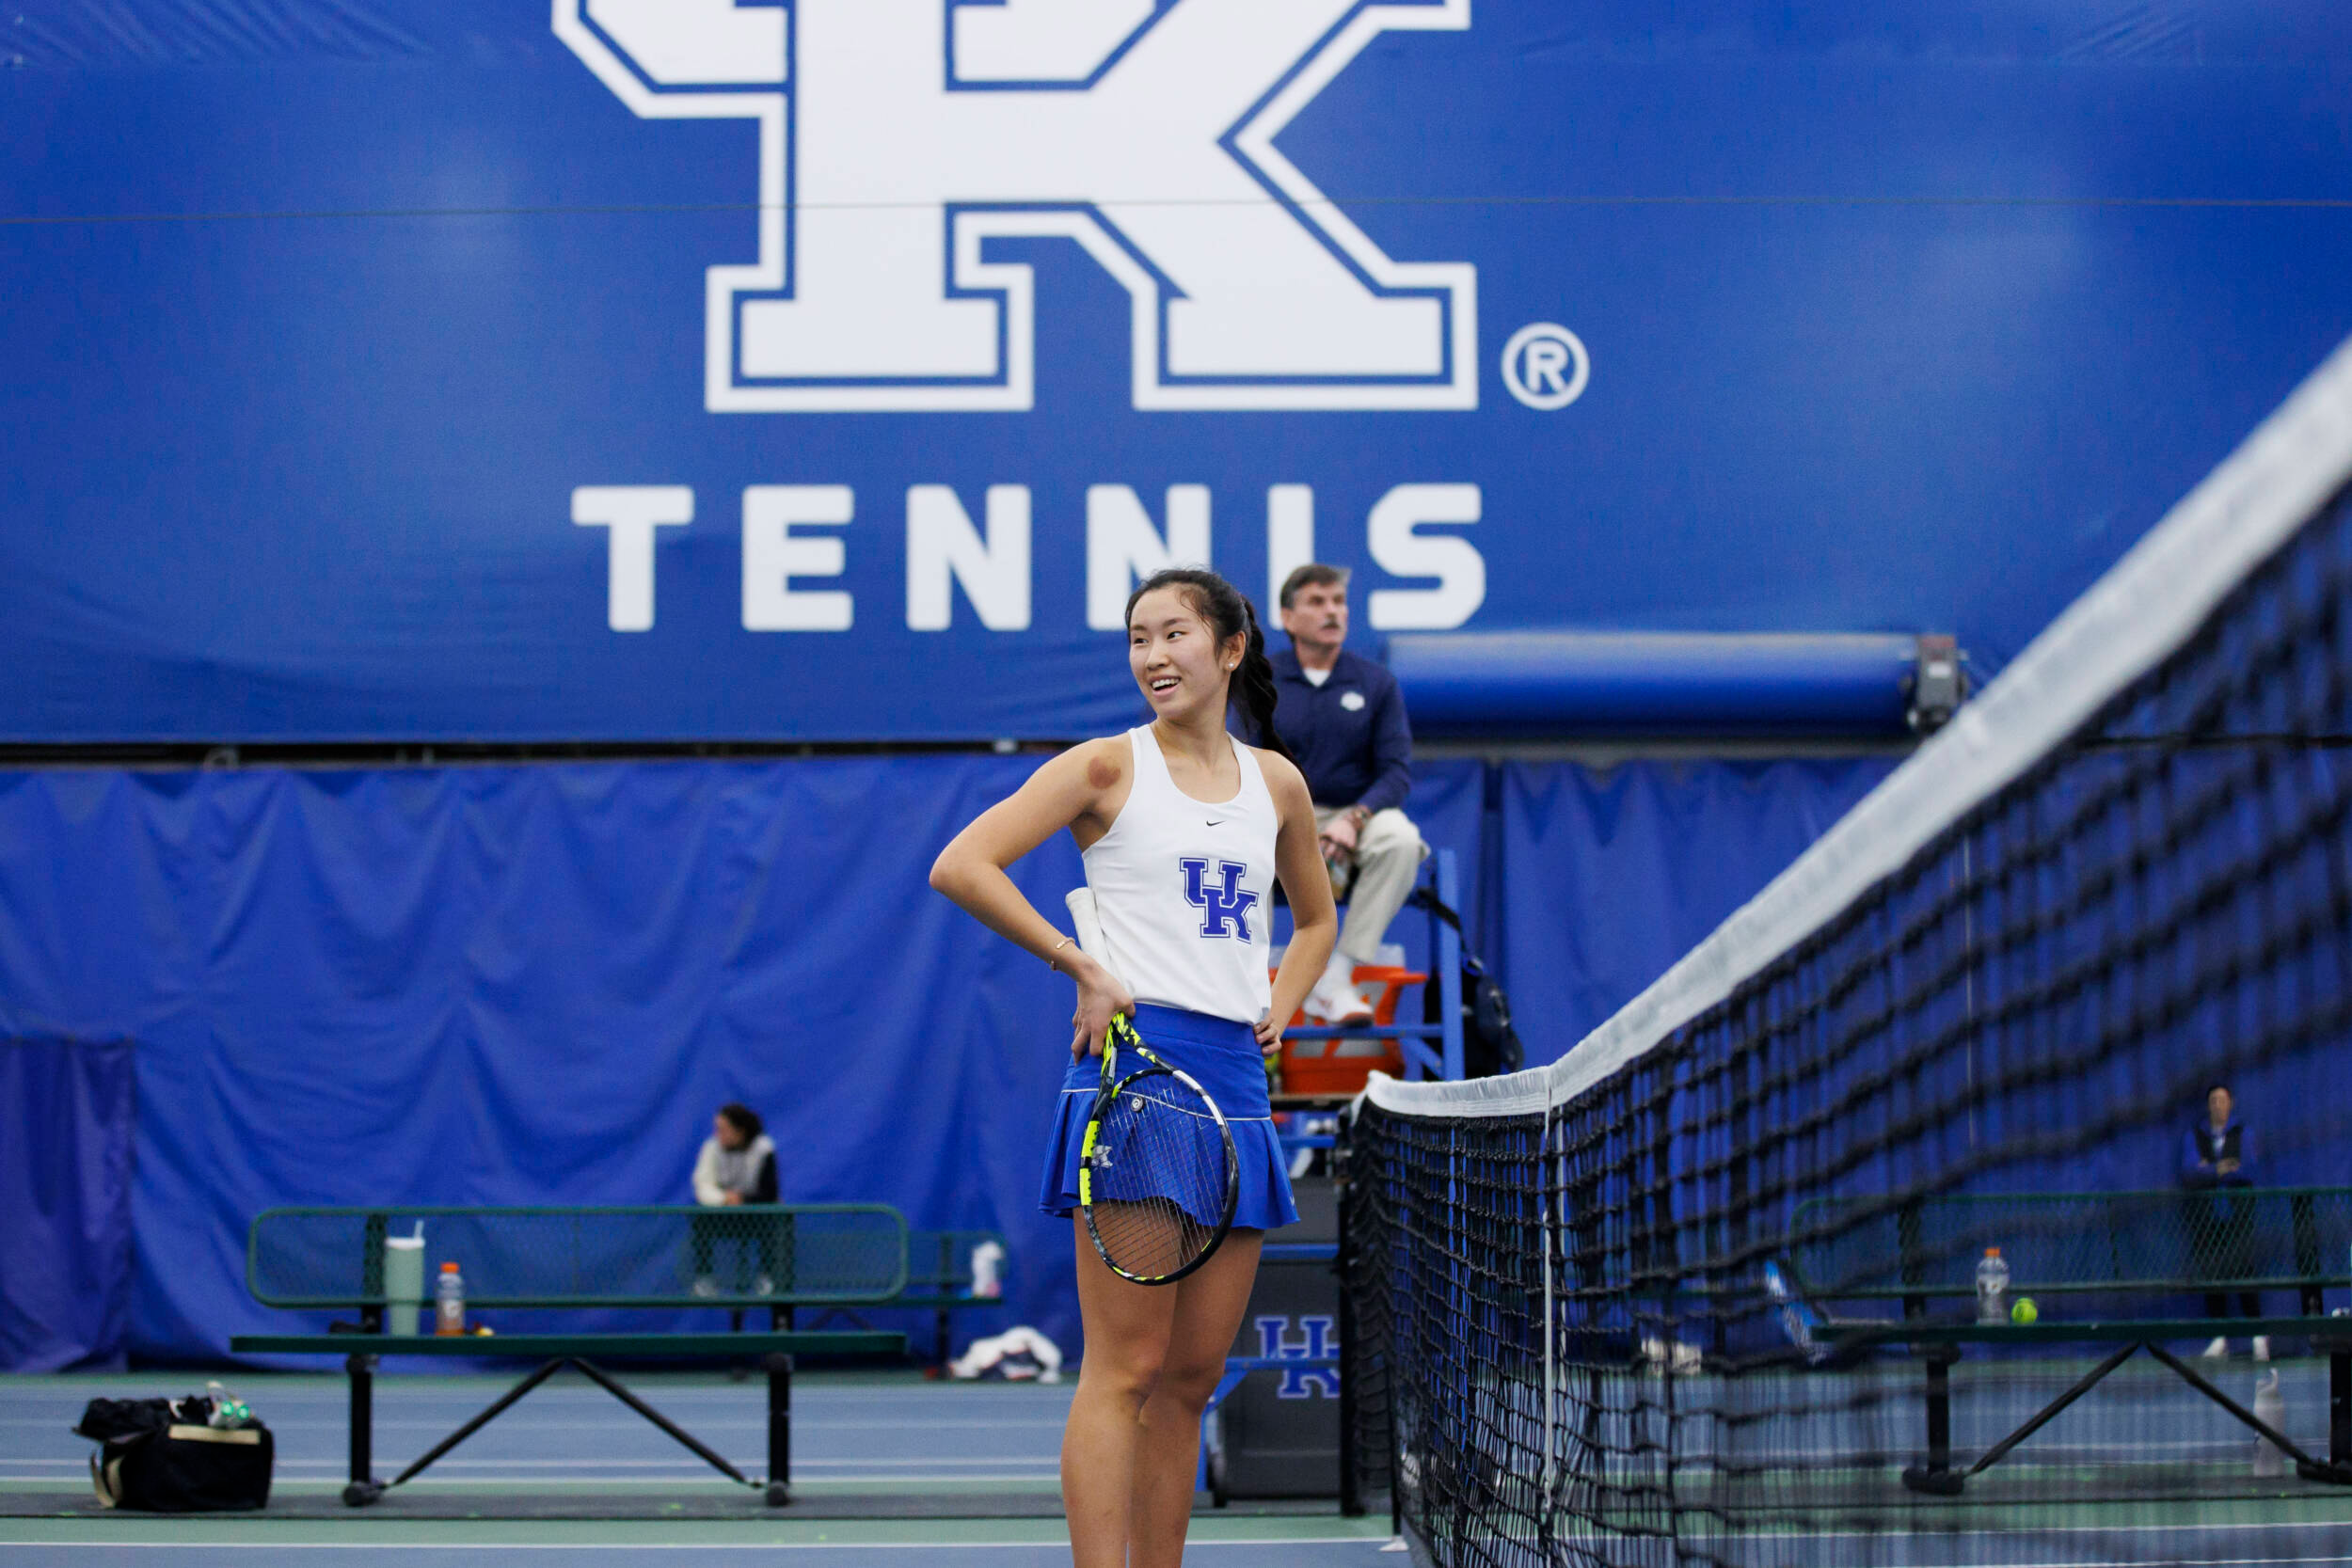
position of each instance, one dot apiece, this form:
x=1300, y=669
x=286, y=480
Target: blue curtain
x=65, y=1204
x=1612, y=875
x=533, y=984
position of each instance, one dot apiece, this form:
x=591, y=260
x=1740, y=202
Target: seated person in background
x=2217, y=1154
x=738, y=1165
x=1343, y=718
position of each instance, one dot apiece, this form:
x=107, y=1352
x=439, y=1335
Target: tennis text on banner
x=797, y=542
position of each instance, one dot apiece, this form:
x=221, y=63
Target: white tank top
x=1186, y=890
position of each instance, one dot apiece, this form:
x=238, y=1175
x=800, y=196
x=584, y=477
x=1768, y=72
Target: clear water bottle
x=449, y=1301
x=2270, y=1409
x=1992, y=1288
x=988, y=1261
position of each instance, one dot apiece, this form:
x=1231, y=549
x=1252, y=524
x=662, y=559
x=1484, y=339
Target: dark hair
x=1230, y=615
x=1313, y=575
x=743, y=1119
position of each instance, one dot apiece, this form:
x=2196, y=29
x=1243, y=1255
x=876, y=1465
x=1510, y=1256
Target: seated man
x=738, y=1165
x=1343, y=718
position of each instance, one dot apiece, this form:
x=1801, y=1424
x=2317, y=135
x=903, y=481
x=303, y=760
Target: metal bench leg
x=2339, y=1405
x=2049, y=1412
x=525, y=1386
x=611, y=1385
x=946, y=1273
x=779, y=1319
x=779, y=1430
x=362, y=1489
x=2338, y=1469
x=1937, y=1476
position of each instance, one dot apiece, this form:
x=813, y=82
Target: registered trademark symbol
x=1545, y=365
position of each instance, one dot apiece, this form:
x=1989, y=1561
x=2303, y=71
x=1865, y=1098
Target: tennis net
x=1701, y=1290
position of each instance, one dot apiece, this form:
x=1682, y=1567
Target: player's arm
x=971, y=870
x=1315, y=919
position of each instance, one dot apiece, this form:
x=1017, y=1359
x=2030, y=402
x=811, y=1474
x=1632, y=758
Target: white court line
x=662, y=1463
x=2105, y=1529
x=1025, y=1479
x=508, y=1423
x=1190, y=1546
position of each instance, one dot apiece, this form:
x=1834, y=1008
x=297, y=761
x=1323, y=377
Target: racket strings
x=1150, y=1238
x=1163, y=1176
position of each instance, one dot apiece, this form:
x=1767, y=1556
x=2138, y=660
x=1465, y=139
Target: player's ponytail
x=1254, y=683
x=1230, y=615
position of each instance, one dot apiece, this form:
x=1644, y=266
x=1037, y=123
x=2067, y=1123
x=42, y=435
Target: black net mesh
x=1706, y=1309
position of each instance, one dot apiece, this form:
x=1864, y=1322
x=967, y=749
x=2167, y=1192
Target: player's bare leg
x=1128, y=1327
x=1209, y=1307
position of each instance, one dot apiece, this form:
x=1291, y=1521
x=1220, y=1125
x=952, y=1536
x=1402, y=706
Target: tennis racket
x=1157, y=1175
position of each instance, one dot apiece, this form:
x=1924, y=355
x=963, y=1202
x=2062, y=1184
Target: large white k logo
x=898, y=135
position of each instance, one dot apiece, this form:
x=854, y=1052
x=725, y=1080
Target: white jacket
x=720, y=1171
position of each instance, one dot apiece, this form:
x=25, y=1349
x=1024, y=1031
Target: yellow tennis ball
x=2024, y=1312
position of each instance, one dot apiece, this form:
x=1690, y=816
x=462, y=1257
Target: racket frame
x=1107, y=1096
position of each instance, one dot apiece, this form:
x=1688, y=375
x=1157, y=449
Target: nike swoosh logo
x=1217, y=821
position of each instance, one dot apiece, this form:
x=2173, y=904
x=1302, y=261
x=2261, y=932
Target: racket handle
x=1088, y=925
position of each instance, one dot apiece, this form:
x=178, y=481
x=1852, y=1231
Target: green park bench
x=1859, y=1262
x=775, y=1258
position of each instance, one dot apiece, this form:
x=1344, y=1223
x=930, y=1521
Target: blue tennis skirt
x=1223, y=1056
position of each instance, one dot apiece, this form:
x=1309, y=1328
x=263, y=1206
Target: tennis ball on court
x=2024, y=1311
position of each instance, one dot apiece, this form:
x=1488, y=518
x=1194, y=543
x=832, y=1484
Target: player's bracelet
x=1053, y=960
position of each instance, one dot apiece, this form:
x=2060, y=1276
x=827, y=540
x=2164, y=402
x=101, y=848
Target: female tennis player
x=1184, y=831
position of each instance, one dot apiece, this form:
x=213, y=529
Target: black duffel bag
x=163, y=1456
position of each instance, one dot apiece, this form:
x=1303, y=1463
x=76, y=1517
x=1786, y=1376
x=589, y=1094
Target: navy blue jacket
x=1349, y=734
x=2200, y=1151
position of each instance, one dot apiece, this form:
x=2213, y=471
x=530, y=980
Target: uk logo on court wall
x=898, y=136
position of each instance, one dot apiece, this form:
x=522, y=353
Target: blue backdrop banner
x=65, y=1203
x=1613, y=875
x=606, y=369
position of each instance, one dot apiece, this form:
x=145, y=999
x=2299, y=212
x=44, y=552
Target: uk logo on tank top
x=1224, y=905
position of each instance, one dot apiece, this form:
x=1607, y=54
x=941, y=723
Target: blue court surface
x=896, y=1440
x=953, y=1453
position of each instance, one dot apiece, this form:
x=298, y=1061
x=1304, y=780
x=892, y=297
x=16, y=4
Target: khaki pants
x=1389, y=853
